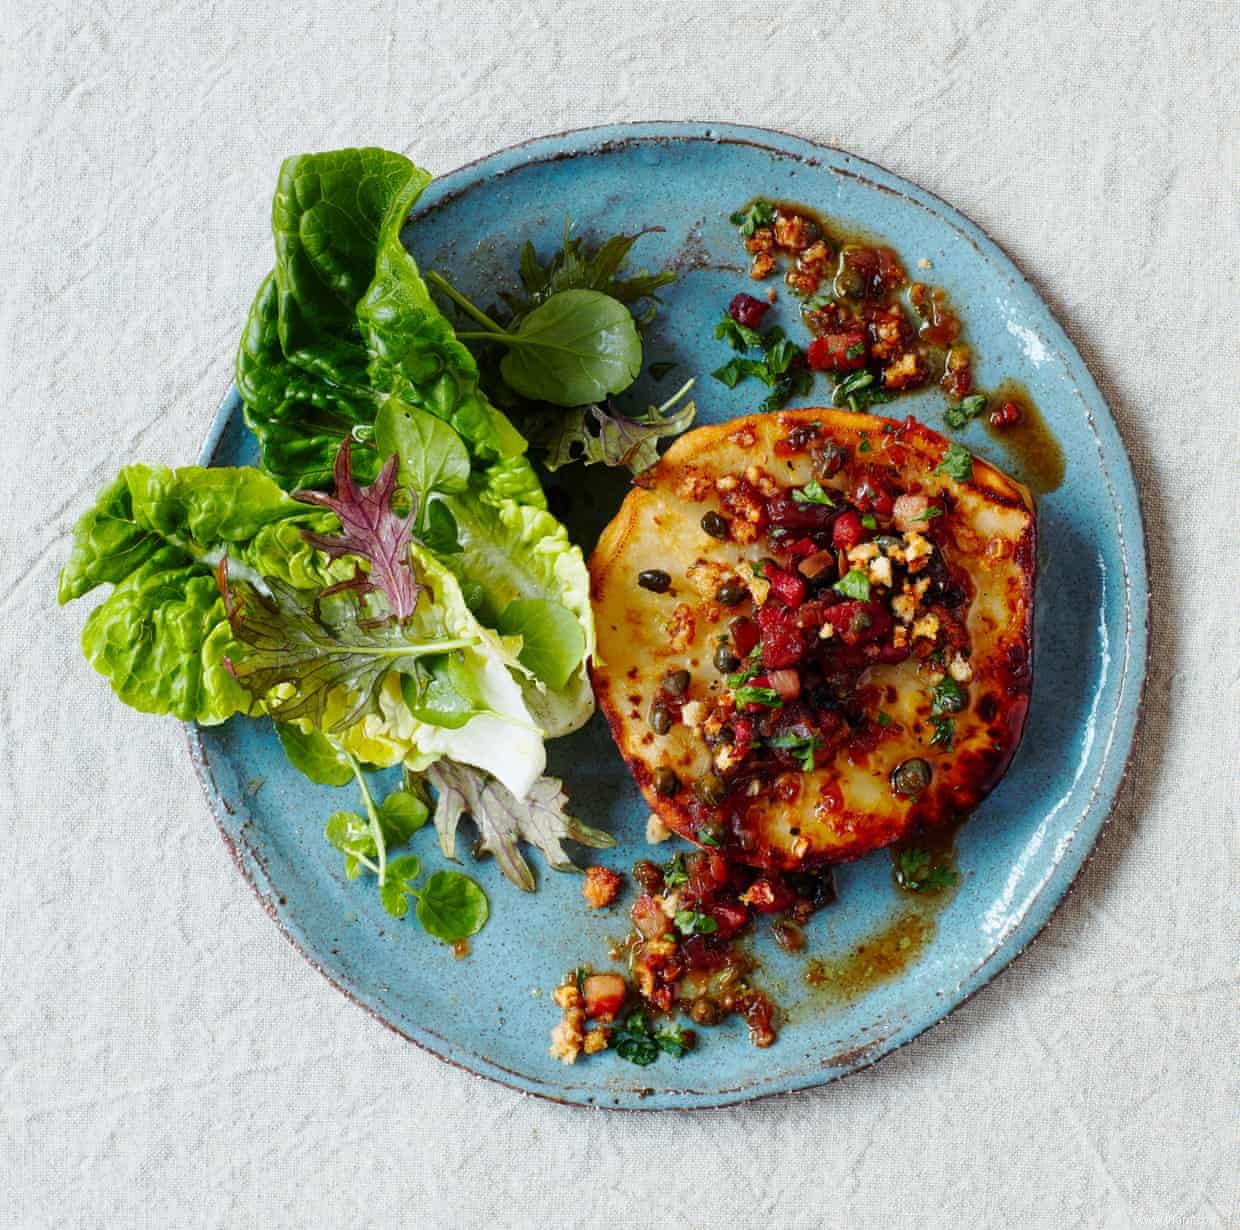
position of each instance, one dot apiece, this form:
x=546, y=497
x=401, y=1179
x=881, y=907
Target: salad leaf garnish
x=286, y=641
x=579, y=266
x=314, y=754
x=635, y=1042
x=576, y=347
x=451, y=906
x=606, y=436
x=782, y=366
x=504, y=820
x=370, y=530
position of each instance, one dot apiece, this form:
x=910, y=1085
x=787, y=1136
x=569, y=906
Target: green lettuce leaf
x=345, y=321
x=513, y=553
x=161, y=637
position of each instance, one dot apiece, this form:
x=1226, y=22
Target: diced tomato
x=699, y=954
x=787, y=514
x=871, y=497
x=786, y=682
x=848, y=531
x=781, y=638
x=891, y=655
x=787, y=587
x=742, y=731
x=802, y=547
x=837, y=352
x=745, y=635
x=603, y=993
x=708, y=873
x=747, y=310
x=860, y=623
x=731, y=918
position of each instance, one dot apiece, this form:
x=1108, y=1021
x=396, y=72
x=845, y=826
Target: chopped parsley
x=818, y=300
x=883, y=719
x=869, y=521
x=957, y=463
x=674, y=873
x=865, y=446
x=761, y=213
x=749, y=695
x=738, y=336
x=812, y=493
x=960, y=416
x=855, y=351
x=919, y=873
x=782, y=366
x=944, y=732
x=948, y=697
x=694, y=922
x=708, y=836
x=930, y=512
x=802, y=747
x=854, y=584
x=858, y=391
x=635, y=1042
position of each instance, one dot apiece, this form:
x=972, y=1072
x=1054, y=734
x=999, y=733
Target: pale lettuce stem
x=376, y=829
x=464, y=304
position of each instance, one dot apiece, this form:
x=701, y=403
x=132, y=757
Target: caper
x=660, y=719
x=655, y=580
x=666, y=783
x=910, y=777
x=725, y=660
x=716, y=526
x=862, y=621
x=711, y=788
x=731, y=592
x=828, y=459
x=676, y=683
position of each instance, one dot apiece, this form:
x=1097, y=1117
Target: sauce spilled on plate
x=1034, y=455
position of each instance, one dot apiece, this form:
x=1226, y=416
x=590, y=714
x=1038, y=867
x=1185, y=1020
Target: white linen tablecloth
x=166, y=1059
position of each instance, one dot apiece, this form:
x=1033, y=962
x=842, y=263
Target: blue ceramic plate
x=1017, y=856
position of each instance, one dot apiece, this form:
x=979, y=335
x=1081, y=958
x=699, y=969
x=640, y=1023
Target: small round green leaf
x=398, y=884
x=452, y=906
x=577, y=347
x=401, y=815
x=552, y=640
x=315, y=755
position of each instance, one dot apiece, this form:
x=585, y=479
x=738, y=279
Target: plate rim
x=1134, y=553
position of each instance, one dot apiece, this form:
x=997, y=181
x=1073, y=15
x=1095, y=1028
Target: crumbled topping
x=693, y=714
x=959, y=669
x=927, y=626
x=680, y=628
x=656, y=830
x=601, y=887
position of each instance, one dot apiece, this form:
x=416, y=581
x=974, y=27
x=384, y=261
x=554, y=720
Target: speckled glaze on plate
x=1017, y=856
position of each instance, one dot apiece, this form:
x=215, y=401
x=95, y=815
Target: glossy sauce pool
x=1032, y=453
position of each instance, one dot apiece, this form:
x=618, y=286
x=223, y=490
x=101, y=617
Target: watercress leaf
x=401, y=814
x=503, y=820
x=352, y=836
x=432, y=456
x=552, y=641
x=451, y=906
x=315, y=755
x=579, y=346
x=433, y=694
x=672, y=1041
x=397, y=886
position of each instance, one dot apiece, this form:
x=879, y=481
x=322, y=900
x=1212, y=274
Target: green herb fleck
x=674, y=873
x=865, y=446
x=708, y=837
x=931, y=511
x=917, y=872
x=869, y=521
x=855, y=351
x=761, y=213
x=738, y=336
x=944, y=732
x=692, y=922
x=633, y=1041
x=854, y=584
x=958, y=417
x=947, y=697
x=812, y=493
x=802, y=747
x=957, y=463
x=748, y=695
x=883, y=719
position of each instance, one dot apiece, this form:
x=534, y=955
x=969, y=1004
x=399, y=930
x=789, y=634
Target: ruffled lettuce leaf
x=161, y=637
